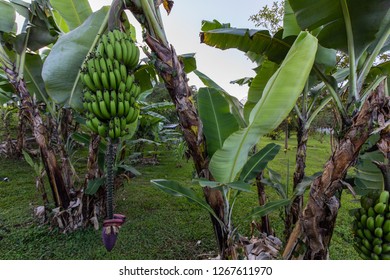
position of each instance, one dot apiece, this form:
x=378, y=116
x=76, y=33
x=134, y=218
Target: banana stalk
x=110, y=160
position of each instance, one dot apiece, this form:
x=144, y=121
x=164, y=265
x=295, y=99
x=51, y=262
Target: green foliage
x=74, y=12
x=285, y=85
x=7, y=16
x=217, y=120
x=63, y=83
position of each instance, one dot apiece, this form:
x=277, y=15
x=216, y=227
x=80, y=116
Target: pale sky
x=183, y=27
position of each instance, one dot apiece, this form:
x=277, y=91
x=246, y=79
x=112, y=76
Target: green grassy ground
x=159, y=226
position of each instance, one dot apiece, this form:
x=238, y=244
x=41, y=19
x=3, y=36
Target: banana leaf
x=7, y=17
x=259, y=161
x=268, y=208
x=234, y=105
x=278, y=99
x=248, y=40
x=33, y=78
x=176, y=189
x=74, y=12
x=61, y=67
x=366, y=18
x=264, y=73
x=218, y=122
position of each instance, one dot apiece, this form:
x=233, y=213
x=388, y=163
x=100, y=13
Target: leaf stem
x=351, y=51
x=153, y=23
x=332, y=92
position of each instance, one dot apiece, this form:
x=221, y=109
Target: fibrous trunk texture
x=172, y=71
x=299, y=173
x=315, y=226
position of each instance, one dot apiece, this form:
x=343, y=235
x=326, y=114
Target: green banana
x=378, y=232
x=129, y=82
x=125, y=53
x=117, y=127
x=110, y=65
x=130, y=116
x=88, y=81
x=118, y=51
x=379, y=220
x=380, y=207
x=102, y=129
x=96, y=81
x=113, y=85
x=100, y=48
x=106, y=97
x=110, y=52
x=121, y=108
x=371, y=224
x=113, y=104
x=384, y=197
x=97, y=65
x=91, y=66
x=123, y=71
x=105, y=82
x=111, y=37
x=89, y=124
x=103, y=64
x=118, y=77
x=118, y=34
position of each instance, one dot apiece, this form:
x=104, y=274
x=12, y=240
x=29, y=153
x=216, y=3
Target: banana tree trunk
x=172, y=71
x=53, y=170
x=300, y=165
x=21, y=138
x=316, y=223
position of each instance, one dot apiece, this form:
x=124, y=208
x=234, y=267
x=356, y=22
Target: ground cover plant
x=185, y=234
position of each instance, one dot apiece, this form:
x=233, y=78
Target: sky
x=183, y=25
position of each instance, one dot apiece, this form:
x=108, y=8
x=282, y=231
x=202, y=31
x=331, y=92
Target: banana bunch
x=372, y=227
x=110, y=91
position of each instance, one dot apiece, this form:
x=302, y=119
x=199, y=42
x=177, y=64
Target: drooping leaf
x=147, y=78
x=218, y=122
x=240, y=186
x=278, y=99
x=7, y=16
x=94, y=185
x=32, y=70
x=176, y=189
x=290, y=24
x=366, y=18
x=264, y=73
x=129, y=168
x=189, y=62
x=305, y=183
x=248, y=40
x=368, y=176
x=215, y=24
x=258, y=162
x=63, y=81
x=21, y=7
x=74, y=12
x=234, y=105
x=269, y=207
x=60, y=21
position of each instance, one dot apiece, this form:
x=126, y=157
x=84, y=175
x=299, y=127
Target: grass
x=159, y=226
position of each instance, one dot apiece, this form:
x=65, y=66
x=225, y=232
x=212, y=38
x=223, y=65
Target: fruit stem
x=110, y=160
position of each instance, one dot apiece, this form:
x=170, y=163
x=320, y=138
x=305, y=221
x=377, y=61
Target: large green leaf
x=290, y=24
x=218, y=122
x=258, y=162
x=269, y=207
x=234, y=105
x=264, y=73
x=61, y=68
x=189, y=62
x=74, y=12
x=7, y=16
x=278, y=99
x=368, y=176
x=366, y=18
x=248, y=40
x=176, y=189
x=32, y=71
